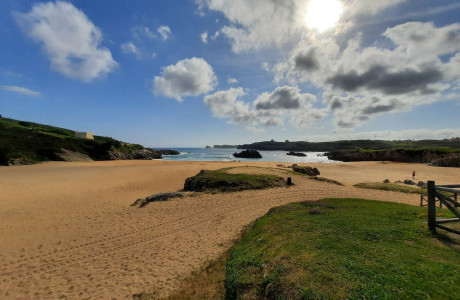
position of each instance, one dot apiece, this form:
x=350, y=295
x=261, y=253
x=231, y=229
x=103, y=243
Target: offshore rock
x=168, y=152
x=292, y=153
x=248, y=154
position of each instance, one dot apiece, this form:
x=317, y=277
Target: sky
x=190, y=73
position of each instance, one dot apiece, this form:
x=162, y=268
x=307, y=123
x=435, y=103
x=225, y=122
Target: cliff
x=438, y=157
x=26, y=142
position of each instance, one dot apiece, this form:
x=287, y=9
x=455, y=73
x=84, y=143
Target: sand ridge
x=67, y=229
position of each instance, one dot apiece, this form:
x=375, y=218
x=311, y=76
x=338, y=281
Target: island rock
x=248, y=154
x=292, y=153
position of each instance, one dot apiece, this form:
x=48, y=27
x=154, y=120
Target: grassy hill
x=35, y=142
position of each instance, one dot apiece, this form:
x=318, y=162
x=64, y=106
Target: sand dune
x=67, y=229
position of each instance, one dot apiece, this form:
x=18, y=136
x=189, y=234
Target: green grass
x=221, y=181
x=342, y=249
x=392, y=187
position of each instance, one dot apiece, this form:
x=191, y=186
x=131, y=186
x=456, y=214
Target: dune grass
x=342, y=249
x=392, y=187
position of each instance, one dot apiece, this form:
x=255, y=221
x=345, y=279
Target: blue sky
x=169, y=73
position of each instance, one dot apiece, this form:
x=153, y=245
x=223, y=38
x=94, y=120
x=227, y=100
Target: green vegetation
x=222, y=181
x=342, y=249
x=392, y=187
x=36, y=142
x=360, y=145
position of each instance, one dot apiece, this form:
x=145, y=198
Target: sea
x=225, y=154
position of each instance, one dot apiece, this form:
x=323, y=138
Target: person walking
x=413, y=174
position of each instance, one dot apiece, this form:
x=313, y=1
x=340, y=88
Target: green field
x=343, y=249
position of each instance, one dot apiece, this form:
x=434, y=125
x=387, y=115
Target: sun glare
x=323, y=14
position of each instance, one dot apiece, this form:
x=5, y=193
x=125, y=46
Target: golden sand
x=67, y=229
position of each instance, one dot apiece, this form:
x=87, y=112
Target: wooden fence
x=447, y=196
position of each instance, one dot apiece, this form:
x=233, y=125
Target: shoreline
x=67, y=229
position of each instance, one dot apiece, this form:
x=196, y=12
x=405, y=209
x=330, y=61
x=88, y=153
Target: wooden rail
x=449, y=201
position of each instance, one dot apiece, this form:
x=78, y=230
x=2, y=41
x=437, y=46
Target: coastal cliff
x=437, y=157
x=27, y=143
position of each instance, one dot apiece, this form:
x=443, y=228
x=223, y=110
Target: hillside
x=352, y=145
x=27, y=142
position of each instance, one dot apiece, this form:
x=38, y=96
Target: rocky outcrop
x=67, y=155
x=434, y=157
x=19, y=162
x=306, y=170
x=144, y=154
x=248, y=154
x=292, y=153
x=168, y=152
x=447, y=162
x=156, y=198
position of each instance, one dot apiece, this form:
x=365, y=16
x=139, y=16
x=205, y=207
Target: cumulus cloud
x=417, y=66
x=379, y=78
x=70, y=40
x=20, y=90
x=188, y=77
x=228, y=105
x=360, y=82
x=258, y=24
x=285, y=97
x=268, y=109
x=165, y=32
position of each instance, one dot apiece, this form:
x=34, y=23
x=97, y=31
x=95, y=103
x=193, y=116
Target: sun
x=323, y=14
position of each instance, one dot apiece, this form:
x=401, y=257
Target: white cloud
x=215, y=35
x=360, y=83
x=139, y=31
x=188, y=77
x=389, y=135
x=231, y=80
x=165, y=32
x=204, y=37
x=129, y=48
x=70, y=40
x=20, y=90
x=268, y=109
x=258, y=24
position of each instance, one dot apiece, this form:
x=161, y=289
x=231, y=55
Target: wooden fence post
x=431, y=207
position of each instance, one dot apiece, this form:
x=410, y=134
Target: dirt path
x=67, y=230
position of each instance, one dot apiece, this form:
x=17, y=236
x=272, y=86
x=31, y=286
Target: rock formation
x=292, y=153
x=248, y=154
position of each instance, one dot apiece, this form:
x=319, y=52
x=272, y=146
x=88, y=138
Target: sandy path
x=67, y=230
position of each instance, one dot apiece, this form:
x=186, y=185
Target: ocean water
x=214, y=154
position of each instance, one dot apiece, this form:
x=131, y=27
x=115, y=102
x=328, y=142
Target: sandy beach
x=67, y=230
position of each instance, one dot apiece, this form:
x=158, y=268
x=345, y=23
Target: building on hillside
x=84, y=135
